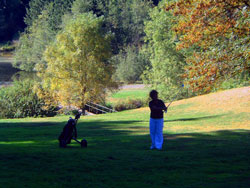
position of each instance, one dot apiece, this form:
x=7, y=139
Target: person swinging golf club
x=157, y=107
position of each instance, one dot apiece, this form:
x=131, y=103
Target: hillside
x=206, y=144
x=233, y=100
x=228, y=109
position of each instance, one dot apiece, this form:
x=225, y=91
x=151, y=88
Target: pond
x=6, y=70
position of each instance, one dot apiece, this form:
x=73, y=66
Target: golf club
x=176, y=95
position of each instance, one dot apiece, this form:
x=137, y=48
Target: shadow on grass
x=40, y=132
x=119, y=156
x=27, y=125
x=195, y=118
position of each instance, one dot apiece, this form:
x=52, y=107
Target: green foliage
x=36, y=7
x=130, y=64
x=34, y=10
x=82, y=6
x=20, y=100
x=126, y=20
x=43, y=24
x=167, y=64
x=123, y=18
x=33, y=42
x=240, y=80
x=78, y=68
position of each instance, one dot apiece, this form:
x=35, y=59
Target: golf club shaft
x=174, y=97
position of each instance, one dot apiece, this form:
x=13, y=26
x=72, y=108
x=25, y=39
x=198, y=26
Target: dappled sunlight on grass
x=172, y=137
x=16, y=142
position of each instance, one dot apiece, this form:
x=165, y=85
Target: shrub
x=130, y=104
x=68, y=111
x=20, y=100
x=240, y=80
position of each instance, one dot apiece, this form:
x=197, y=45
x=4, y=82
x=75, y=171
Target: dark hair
x=152, y=93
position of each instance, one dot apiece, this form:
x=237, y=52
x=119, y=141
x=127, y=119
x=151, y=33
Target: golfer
x=157, y=107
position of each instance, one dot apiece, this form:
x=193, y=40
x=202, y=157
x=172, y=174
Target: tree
x=219, y=33
x=21, y=100
x=78, y=69
x=32, y=43
x=167, y=63
x=44, y=20
x=83, y=6
x=126, y=20
x=132, y=63
x=123, y=18
x=36, y=7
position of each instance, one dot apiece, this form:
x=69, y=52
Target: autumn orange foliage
x=219, y=33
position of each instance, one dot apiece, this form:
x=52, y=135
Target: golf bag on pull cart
x=69, y=132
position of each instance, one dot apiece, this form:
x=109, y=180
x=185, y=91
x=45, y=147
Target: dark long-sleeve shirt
x=157, y=107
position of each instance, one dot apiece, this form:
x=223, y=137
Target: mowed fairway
x=206, y=145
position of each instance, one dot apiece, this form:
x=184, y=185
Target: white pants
x=156, y=132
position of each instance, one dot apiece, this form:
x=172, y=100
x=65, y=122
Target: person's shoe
x=152, y=147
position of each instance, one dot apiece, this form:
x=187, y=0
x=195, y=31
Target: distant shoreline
x=6, y=59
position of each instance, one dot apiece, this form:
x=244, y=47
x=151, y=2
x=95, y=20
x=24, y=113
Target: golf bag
x=70, y=132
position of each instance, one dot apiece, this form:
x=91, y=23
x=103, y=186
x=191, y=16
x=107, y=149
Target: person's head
x=153, y=94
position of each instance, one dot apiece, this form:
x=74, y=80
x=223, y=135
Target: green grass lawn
x=205, y=148
x=126, y=94
x=131, y=93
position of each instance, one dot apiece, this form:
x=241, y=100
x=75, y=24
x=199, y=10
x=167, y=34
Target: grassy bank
x=127, y=94
x=206, y=144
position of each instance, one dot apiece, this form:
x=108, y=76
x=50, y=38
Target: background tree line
x=163, y=44
x=12, y=13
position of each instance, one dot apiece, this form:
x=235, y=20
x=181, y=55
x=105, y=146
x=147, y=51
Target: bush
x=68, y=111
x=240, y=80
x=130, y=104
x=20, y=100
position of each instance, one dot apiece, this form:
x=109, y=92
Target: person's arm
x=159, y=107
x=164, y=107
